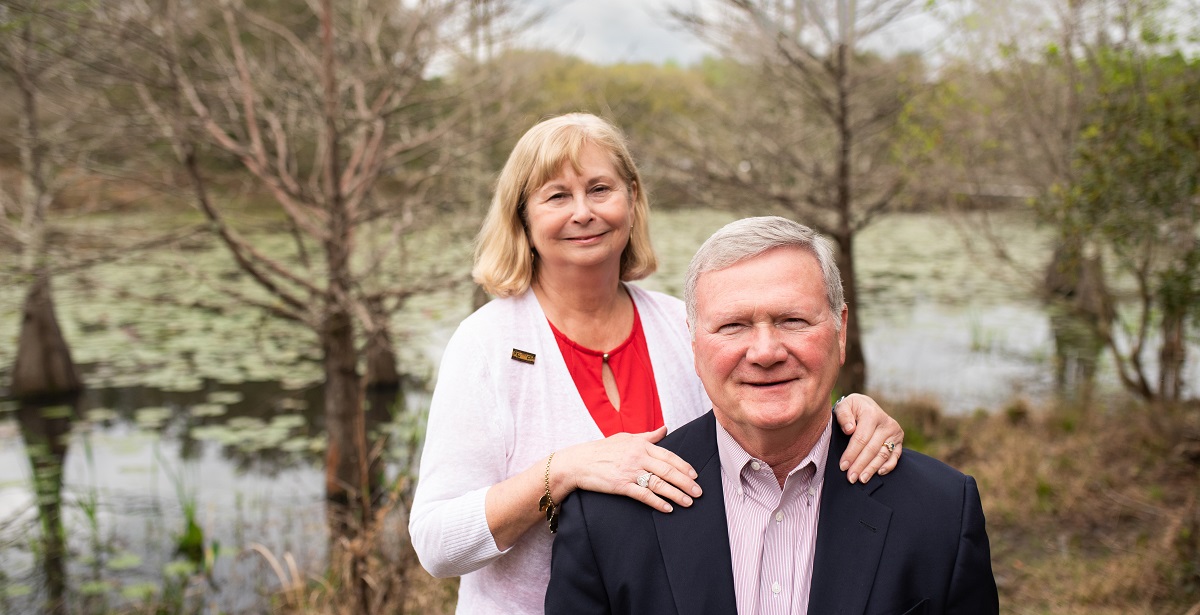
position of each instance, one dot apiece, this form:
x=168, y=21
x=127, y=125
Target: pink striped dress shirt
x=772, y=531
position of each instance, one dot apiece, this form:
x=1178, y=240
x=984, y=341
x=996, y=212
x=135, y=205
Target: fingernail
x=865, y=478
x=845, y=464
x=687, y=501
x=666, y=508
x=694, y=475
x=697, y=491
x=853, y=477
x=882, y=472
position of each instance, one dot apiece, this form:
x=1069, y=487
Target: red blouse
x=630, y=364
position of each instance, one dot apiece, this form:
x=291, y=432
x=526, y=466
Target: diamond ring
x=643, y=480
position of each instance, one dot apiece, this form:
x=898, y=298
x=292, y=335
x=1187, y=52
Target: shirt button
x=775, y=588
x=756, y=466
x=779, y=515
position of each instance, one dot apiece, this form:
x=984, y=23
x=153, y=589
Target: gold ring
x=890, y=446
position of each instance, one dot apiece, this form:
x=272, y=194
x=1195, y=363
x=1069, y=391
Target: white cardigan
x=492, y=417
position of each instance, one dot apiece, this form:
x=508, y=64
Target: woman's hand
x=613, y=465
x=872, y=429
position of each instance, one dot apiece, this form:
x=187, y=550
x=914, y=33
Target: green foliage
x=1134, y=192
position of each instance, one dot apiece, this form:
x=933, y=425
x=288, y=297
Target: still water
x=199, y=409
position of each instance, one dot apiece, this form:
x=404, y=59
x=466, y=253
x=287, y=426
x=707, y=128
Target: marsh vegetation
x=234, y=238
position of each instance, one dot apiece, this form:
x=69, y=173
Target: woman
x=568, y=378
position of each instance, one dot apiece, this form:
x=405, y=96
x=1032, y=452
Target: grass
x=1093, y=511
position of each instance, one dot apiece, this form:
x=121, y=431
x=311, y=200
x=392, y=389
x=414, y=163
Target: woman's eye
x=557, y=196
x=601, y=190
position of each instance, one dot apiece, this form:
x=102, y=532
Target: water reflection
x=1078, y=305
x=44, y=428
x=147, y=498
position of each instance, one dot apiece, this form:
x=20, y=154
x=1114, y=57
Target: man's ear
x=695, y=359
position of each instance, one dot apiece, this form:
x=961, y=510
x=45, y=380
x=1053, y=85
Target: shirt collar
x=734, y=458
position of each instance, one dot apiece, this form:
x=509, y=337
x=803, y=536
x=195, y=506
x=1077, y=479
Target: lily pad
x=291, y=403
x=224, y=397
x=140, y=591
x=288, y=421
x=179, y=568
x=296, y=445
x=207, y=410
x=100, y=415
x=216, y=433
x=152, y=417
x=184, y=385
x=17, y=590
x=94, y=588
x=124, y=561
x=57, y=412
x=247, y=423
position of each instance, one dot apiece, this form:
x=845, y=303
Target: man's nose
x=765, y=349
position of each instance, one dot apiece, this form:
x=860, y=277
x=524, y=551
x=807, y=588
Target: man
x=776, y=530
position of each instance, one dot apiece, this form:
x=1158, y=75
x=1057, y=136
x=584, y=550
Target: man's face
x=766, y=345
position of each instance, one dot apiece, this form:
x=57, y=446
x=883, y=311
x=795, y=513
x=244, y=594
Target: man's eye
x=794, y=323
x=730, y=327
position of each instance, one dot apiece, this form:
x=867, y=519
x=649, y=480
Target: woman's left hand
x=873, y=430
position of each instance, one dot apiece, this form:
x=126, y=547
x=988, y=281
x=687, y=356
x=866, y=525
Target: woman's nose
x=581, y=209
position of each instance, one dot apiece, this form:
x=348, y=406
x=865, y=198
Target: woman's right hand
x=613, y=465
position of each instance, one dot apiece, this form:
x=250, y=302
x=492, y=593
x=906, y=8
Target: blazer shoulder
x=694, y=441
x=924, y=481
x=916, y=472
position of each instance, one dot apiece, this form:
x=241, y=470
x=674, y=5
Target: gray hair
x=749, y=237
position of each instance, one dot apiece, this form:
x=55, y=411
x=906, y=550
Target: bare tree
x=55, y=135
x=353, y=117
x=808, y=122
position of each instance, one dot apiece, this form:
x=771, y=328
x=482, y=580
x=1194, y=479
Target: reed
x=1092, y=510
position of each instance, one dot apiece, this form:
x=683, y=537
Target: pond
x=201, y=411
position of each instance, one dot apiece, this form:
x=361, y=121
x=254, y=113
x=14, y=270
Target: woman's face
x=581, y=219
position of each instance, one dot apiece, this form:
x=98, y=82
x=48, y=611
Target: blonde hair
x=505, y=264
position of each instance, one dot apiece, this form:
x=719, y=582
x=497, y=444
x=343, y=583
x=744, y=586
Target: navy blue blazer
x=908, y=543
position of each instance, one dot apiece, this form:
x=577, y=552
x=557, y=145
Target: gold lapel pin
x=522, y=356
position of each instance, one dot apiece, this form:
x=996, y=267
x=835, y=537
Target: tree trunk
x=382, y=372
x=853, y=377
x=344, y=478
x=1171, y=355
x=43, y=365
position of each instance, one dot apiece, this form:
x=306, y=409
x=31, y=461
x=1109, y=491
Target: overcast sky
x=610, y=31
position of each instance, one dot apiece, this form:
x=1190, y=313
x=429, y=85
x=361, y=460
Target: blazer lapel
x=695, y=540
x=850, y=537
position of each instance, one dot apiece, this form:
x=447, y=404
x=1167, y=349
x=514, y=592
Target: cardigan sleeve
x=463, y=456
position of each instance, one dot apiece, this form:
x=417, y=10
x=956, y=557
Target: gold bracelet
x=547, y=503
